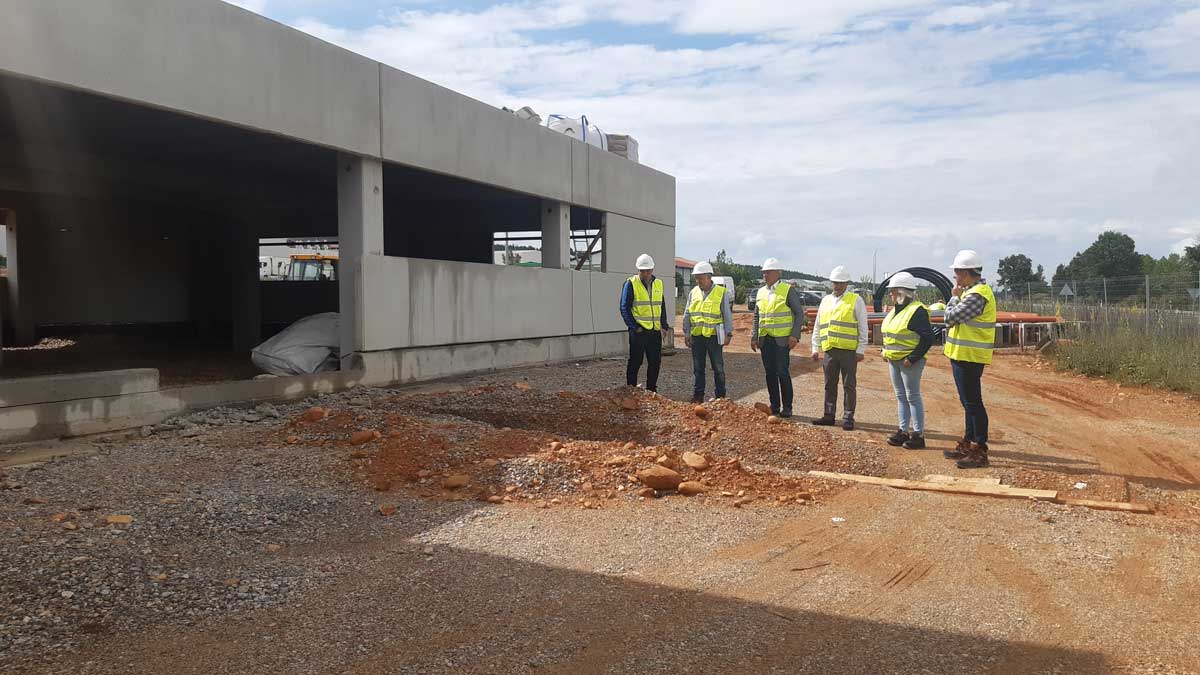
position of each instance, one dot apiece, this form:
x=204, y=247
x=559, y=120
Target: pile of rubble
x=518, y=444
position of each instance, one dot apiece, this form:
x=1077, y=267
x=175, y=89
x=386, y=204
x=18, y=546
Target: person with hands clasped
x=907, y=336
x=778, y=320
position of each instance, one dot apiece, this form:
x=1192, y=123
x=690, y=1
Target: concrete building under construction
x=148, y=147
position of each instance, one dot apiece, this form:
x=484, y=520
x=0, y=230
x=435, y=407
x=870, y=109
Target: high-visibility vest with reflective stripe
x=646, y=308
x=836, y=327
x=705, y=311
x=774, y=317
x=898, y=340
x=974, y=340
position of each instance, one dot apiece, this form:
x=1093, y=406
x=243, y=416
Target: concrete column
x=556, y=234
x=245, y=298
x=360, y=233
x=19, y=315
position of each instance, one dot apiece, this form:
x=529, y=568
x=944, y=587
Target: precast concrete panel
x=201, y=57
x=618, y=185
x=431, y=127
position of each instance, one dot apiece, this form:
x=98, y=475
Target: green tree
x=1015, y=273
x=1192, y=255
x=1113, y=254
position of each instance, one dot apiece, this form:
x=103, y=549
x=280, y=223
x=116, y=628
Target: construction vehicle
x=313, y=267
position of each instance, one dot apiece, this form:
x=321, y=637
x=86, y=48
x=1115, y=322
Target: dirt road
x=856, y=580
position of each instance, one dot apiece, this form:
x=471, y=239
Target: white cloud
x=830, y=129
x=966, y=15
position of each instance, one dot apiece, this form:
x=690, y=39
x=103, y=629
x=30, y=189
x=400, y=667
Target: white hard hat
x=645, y=262
x=771, y=264
x=839, y=274
x=903, y=280
x=702, y=267
x=967, y=260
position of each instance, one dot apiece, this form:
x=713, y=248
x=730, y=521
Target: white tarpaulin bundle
x=308, y=346
x=578, y=127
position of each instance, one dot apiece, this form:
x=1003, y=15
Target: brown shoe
x=959, y=450
x=976, y=457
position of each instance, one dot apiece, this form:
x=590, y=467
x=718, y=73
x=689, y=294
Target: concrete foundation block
x=75, y=386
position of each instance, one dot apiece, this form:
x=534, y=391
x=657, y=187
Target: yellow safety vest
x=937, y=307
x=898, y=340
x=774, y=317
x=646, y=307
x=974, y=340
x=836, y=327
x=705, y=311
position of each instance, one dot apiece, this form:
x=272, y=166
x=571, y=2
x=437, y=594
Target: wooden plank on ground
x=953, y=488
x=936, y=478
x=1128, y=507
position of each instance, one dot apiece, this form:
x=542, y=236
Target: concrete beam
x=206, y=58
x=74, y=386
x=360, y=235
x=430, y=363
x=556, y=235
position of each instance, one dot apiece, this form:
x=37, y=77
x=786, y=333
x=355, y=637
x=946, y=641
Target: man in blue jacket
x=644, y=309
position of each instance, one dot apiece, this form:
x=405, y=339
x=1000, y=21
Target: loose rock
x=659, y=478
x=692, y=487
x=456, y=481
x=695, y=461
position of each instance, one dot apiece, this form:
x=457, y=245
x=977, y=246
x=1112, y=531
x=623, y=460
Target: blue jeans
x=910, y=408
x=967, y=377
x=702, y=348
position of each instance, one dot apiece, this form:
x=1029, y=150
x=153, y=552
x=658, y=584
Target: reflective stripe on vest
x=774, y=317
x=836, y=326
x=974, y=340
x=898, y=340
x=646, y=308
x=705, y=311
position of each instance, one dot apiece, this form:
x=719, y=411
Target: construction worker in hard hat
x=839, y=340
x=907, y=336
x=971, y=318
x=778, y=320
x=707, y=328
x=644, y=309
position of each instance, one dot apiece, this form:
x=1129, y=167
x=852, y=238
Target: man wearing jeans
x=841, y=337
x=778, y=320
x=707, y=328
x=971, y=316
x=644, y=310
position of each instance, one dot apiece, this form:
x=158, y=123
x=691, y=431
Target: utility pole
x=1105, y=291
x=1147, y=302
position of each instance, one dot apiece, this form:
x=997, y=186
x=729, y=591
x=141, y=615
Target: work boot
x=825, y=421
x=898, y=439
x=976, y=457
x=915, y=442
x=785, y=413
x=848, y=425
x=697, y=398
x=959, y=451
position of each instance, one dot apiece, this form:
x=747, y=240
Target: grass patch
x=1162, y=353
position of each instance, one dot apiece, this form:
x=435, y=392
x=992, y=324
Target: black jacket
x=919, y=324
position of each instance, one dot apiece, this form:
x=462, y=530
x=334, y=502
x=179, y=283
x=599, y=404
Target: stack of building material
x=625, y=146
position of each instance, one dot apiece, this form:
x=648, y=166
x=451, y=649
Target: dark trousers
x=707, y=348
x=779, y=379
x=841, y=364
x=968, y=378
x=644, y=344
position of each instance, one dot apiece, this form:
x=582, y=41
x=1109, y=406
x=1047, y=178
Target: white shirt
x=860, y=316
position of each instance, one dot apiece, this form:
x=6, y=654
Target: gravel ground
x=256, y=543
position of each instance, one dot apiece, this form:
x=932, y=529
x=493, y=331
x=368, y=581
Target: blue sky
x=818, y=132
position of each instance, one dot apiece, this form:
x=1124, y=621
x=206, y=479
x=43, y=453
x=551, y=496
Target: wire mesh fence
x=1166, y=293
